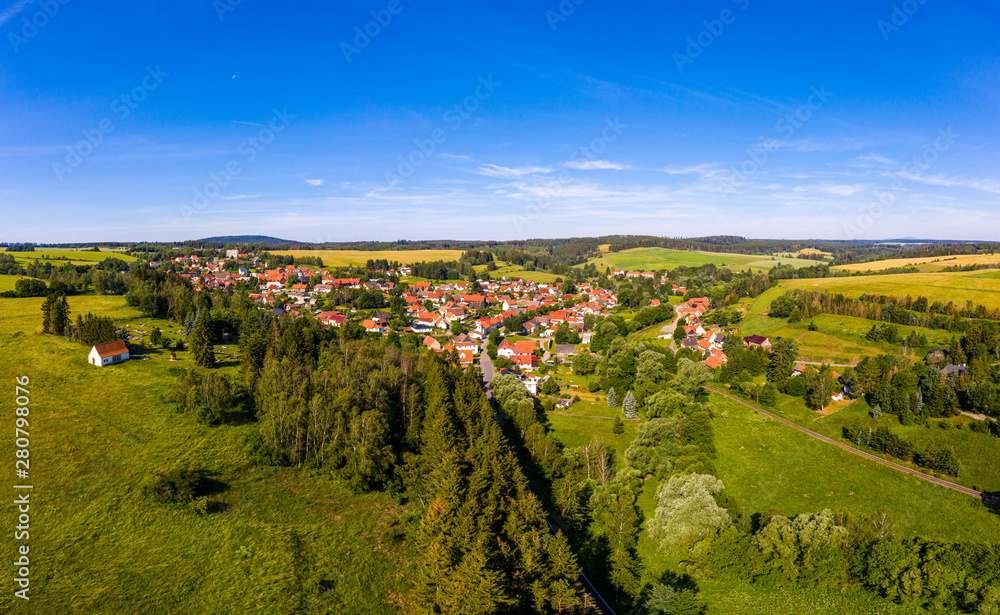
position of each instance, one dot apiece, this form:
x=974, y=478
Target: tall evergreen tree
x=201, y=344
x=612, y=398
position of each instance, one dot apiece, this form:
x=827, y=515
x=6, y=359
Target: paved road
x=916, y=473
x=486, y=366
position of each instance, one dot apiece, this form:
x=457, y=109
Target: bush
x=179, y=485
x=617, y=426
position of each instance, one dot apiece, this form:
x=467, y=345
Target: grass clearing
x=98, y=435
x=348, y=258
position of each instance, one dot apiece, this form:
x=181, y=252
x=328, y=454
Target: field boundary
x=985, y=497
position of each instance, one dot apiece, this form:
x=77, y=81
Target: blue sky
x=172, y=121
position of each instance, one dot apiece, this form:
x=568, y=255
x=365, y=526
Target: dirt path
x=600, y=418
x=915, y=473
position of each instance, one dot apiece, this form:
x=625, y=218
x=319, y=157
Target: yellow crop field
x=928, y=264
x=978, y=287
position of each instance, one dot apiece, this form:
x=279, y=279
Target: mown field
x=514, y=271
x=979, y=287
x=346, y=258
x=926, y=264
x=76, y=256
x=654, y=259
x=277, y=542
x=7, y=282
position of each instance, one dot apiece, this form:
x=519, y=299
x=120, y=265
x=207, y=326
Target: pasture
x=655, y=259
x=980, y=288
x=767, y=465
x=276, y=541
x=349, y=258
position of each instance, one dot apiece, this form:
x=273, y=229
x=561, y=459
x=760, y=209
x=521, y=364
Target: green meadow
x=77, y=256
x=655, y=259
x=276, y=539
x=768, y=465
x=956, y=287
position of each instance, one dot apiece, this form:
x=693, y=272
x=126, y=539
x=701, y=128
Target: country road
x=985, y=497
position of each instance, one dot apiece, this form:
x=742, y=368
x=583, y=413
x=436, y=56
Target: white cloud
x=11, y=11
x=985, y=185
x=314, y=182
x=592, y=165
x=492, y=170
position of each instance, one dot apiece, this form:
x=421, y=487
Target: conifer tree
x=612, y=398
x=629, y=407
x=201, y=344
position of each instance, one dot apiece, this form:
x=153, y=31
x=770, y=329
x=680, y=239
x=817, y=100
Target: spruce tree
x=629, y=407
x=612, y=398
x=201, y=345
x=60, y=315
x=47, y=314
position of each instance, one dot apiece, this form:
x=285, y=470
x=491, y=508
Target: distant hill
x=261, y=239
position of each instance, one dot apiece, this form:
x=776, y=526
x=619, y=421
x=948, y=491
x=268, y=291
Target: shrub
x=180, y=485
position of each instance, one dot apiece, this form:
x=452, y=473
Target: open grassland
x=927, y=264
x=514, y=271
x=957, y=287
x=347, y=258
x=77, y=256
x=767, y=465
x=976, y=452
x=7, y=282
x=280, y=540
x=654, y=259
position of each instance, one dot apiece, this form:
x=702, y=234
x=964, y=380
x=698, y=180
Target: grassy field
x=7, y=282
x=76, y=256
x=931, y=264
x=99, y=545
x=654, y=259
x=976, y=452
x=513, y=271
x=944, y=287
x=766, y=465
x=345, y=258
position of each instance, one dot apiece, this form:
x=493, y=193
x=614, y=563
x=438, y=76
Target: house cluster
x=697, y=338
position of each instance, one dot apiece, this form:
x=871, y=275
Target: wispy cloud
x=249, y=123
x=492, y=170
x=985, y=185
x=314, y=182
x=592, y=165
x=11, y=11
x=811, y=146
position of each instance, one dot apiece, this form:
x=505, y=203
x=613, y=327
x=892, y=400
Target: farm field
x=944, y=287
x=345, y=258
x=99, y=434
x=766, y=465
x=927, y=264
x=653, y=259
x=514, y=271
x=76, y=256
